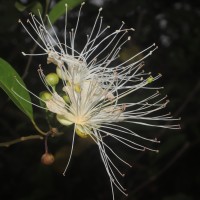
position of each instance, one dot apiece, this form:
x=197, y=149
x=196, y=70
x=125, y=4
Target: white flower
x=96, y=87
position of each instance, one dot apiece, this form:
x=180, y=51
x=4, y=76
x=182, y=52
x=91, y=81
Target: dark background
x=173, y=174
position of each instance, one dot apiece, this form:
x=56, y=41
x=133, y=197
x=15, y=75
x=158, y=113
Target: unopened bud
x=45, y=95
x=150, y=79
x=54, y=132
x=52, y=79
x=66, y=99
x=77, y=88
x=61, y=74
x=47, y=159
x=81, y=134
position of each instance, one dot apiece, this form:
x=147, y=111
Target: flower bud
x=81, y=134
x=63, y=120
x=150, y=79
x=66, y=99
x=54, y=131
x=45, y=95
x=52, y=79
x=61, y=74
x=77, y=88
x=47, y=159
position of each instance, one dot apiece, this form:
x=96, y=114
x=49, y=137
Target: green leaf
x=59, y=9
x=8, y=82
x=34, y=7
x=20, y=7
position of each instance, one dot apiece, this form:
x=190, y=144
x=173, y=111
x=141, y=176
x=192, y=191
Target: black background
x=173, y=174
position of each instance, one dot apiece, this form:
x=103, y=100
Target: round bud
x=66, y=99
x=54, y=131
x=150, y=79
x=61, y=74
x=52, y=79
x=81, y=134
x=45, y=95
x=47, y=159
x=63, y=120
x=77, y=88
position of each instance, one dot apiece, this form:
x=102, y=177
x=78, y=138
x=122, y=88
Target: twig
x=38, y=129
x=183, y=105
x=21, y=139
x=35, y=45
x=188, y=99
x=164, y=169
x=29, y=61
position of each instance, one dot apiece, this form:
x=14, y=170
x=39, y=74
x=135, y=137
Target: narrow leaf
x=20, y=7
x=8, y=82
x=33, y=6
x=59, y=9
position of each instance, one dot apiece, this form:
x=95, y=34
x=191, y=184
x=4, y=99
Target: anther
x=123, y=107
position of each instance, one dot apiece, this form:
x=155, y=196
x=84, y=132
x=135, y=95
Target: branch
x=21, y=139
x=35, y=45
x=164, y=169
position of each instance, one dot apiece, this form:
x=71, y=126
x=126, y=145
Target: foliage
x=13, y=85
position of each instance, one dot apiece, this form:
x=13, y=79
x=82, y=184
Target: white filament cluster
x=95, y=84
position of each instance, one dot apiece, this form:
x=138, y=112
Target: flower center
x=81, y=120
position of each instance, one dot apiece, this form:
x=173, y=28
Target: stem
x=48, y=2
x=45, y=141
x=38, y=129
x=21, y=139
x=164, y=169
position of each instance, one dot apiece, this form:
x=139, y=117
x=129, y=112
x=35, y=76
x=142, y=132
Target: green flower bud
x=52, y=79
x=81, y=134
x=60, y=74
x=77, y=88
x=150, y=79
x=66, y=99
x=63, y=120
x=45, y=95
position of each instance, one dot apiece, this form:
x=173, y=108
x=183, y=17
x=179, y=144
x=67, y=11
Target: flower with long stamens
x=96, y=86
